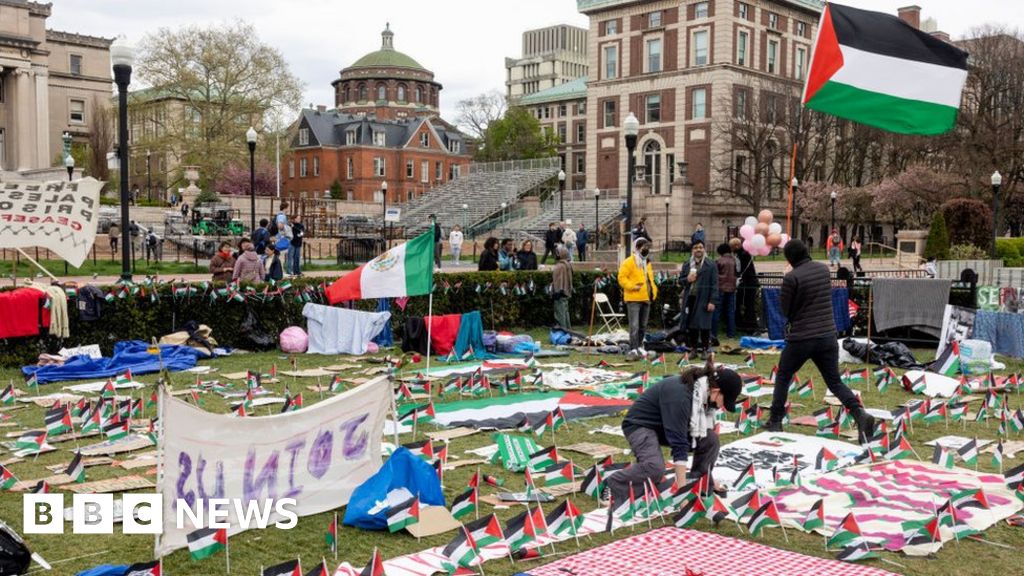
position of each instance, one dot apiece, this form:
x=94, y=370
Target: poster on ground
x=58, y=216
x=317, y=455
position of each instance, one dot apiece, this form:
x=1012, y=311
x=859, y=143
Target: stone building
x=551, y=56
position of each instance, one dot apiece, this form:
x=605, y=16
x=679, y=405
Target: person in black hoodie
x=551, y=238
x=526, y=256
x=746, y=290
x=489, y=257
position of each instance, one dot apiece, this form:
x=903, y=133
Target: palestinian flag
x=543, y=459
x=765, y=516
x=405, y=270
x=968, y=453
x=125, y=378
x=918, y=532
x=856, y=553
x=524, y=425
x=974, y=498
x=936, y=412
x=76, y=469
x=877, y=70
x=626, y=510
x=658, y=361
x=485, y=531
x=815, y=516
x=7, y=480
x=948, y=362
x=825, y=460
x=116, y=430
x=206, y=542
x=850, y=378
x=746, y=479
x=492, y=480
x=337, y=386
x=824, y=417
x=31, y=440
x=957, y=411
x=58, y=420
x=404, y=514
x=1014, y=477
x=108, y=390
x=716, y=510
x=565, y=517
x=42, y=487
x=292, y=403
x=331, y=536
x=899, y=450
x=559, y=474
x=689, y=514
x=144, y=569
x=750, y=360
x=93, y=422
x=542, y=425
x=1017, y=421
x=751, y=384
x=848, y=531
x=7, y=396
x=806, y=389
x=749, y=502
x=531, y=486
x=424, y=449
x=32, y=381
x=525, y=528
x=997, y=455
x=465, y=503
x=375, y=567
x=558, y=418
x=289, y=568
x=917, y=385
x=320, y=569
x=942, y=457
x=593, y=482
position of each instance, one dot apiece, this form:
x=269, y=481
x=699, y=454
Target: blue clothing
x=384, y=339
x=471, y=334
x=506, y=261
x=727, y=308
x=259, y=239
x=295, y=259
x=698, y=235
x=776, y=321
x=128, y=355
x=1004, y=330
x=581, y=238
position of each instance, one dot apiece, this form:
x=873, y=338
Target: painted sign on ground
x=58, y=216
x=776, y=449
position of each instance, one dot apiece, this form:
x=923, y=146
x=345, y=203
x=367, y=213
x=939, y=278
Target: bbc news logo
x=144, y=513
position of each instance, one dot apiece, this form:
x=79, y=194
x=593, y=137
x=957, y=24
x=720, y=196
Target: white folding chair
x=607, y=314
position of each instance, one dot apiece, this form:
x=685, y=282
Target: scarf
x=702, y=416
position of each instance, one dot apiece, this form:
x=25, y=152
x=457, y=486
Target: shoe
x=605, y=499
x=772, y=426
x=642, y=352
x=865, y=426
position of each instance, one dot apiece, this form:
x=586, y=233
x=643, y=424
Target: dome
x=387, y=56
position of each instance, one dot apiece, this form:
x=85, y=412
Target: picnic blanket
x=671, y=551
x=128, y=355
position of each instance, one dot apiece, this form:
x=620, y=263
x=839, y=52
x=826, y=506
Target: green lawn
x=255, y=548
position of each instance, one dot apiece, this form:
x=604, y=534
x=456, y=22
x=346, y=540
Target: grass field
x=254, y=548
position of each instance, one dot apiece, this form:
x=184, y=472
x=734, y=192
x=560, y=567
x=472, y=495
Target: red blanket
x=443, y=330
x=20, y=313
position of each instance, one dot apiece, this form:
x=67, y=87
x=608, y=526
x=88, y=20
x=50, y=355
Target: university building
x=384, y=128
x=551, y=56
x=562, y=111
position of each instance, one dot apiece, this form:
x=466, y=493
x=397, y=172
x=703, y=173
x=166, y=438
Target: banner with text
x=59, y=216
x=316, y=455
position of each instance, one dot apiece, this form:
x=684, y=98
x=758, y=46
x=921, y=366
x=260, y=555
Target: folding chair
x=607, y=314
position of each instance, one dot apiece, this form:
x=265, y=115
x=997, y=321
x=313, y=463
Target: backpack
x=272, y=228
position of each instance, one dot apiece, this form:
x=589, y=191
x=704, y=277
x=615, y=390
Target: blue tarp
x=754, y=343
x=402, y=470
x=384, y=339
x=776, y=322
x=128, y=355
x=105, y=570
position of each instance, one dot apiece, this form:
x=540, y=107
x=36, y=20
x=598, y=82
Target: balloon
x=746, y=231
x=766, y=251
x=748, y=246
x=758, y=241
x=775, y=228
x=765, y=216
x=774, y=239
x=785, y=240
x=750, y=221
x=761, y=228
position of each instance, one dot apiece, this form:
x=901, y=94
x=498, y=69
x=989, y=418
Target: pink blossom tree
x=234, y=180
x=911, y=197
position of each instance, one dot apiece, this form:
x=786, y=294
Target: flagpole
x=478, y=481
x=160, y=401
x=394, y=412
x=430, y=327
x=335, y=545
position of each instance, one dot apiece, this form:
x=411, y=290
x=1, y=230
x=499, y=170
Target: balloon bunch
x=760, y=234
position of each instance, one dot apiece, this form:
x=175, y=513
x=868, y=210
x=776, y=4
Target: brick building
x=384, y=128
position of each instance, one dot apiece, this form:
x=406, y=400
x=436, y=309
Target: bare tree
x=476, y=113
x=101, y=139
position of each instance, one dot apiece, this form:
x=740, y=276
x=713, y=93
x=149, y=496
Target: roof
x=330, y=128
x=572, y=90
x=585, y=6
x=387, y=56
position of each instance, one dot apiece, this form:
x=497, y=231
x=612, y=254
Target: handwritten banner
x=316, y=455
x=59, y=216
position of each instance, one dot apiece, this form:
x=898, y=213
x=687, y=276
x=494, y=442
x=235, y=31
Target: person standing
x=222, y=265
x=699, y=295
x=561, y=287
x=551, y=239
x=438, y=241
x=698, y=234
x=641, y=230
x=273, y=265
x=569, y=239
x=455, y=240
x=295, y=250
x=581, y=242
x=806, y=302
x=248, y=266
x=489, y=257
x=726, y=308
x=184, y=211
x=283, y=231
x=636, y=279
x=526, y=257
x=834, y=247
x=746, y=290
x=678, y=412
x=114, y=234
x=855, y=248
x=507, y=255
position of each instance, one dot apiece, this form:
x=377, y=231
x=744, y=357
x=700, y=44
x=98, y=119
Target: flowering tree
x=234, y=180
x=911, y=197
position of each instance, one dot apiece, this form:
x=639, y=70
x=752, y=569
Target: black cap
x=730, y=385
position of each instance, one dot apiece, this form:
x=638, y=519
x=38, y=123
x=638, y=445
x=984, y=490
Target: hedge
x=1011, y=251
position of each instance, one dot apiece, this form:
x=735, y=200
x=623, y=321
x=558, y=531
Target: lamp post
x=69, y=163
x=504, y=205
x=561, y=195
x=597, y=219
x=465, y=215
x=997, y=182
x=630, y=127
x=250, y=139
x=793, y=223
x=384, y=219
x=122, y=56
x=668, y=201
x=833, y=196
x=149, y=176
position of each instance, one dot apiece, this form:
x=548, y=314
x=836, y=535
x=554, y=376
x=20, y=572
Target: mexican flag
x=875, y=69
x=405, y=270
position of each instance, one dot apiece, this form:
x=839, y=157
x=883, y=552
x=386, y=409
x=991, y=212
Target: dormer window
x=379, y=138
x=303, y=136
x=424, y=140
x=350, y=138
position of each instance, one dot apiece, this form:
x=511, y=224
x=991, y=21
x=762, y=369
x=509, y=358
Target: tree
x=100, y=141
x=227, y=80
x=969, y=222
x=476, y=114
x=233, y=180
x=910, y=197
x=937, y=245
x=336, y=191
x=515, y=136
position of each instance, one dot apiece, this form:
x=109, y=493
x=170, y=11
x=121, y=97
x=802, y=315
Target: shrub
x=966, y=252
x=1011, y=251
x=969, y=222
x=206, y=196
x=937, y=245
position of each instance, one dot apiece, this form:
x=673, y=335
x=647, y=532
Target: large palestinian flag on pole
x=875, y=69
x=405, y=270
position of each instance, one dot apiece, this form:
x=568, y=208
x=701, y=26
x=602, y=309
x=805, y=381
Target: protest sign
x=58, y=216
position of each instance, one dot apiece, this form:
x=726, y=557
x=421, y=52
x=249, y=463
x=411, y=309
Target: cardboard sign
x=59, y=216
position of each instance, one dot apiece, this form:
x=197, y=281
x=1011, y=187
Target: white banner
x=316, y=455
x=59, y=216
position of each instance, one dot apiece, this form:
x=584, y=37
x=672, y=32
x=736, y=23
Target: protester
x=273, y=265
x=640, y=231
x=698, y=234
x=260, y=236
x=455, y=240
x=551, y=239
x=855, y=249
x=929, y=267
x=248, y=267
x=747, y=289
x=222, y=265
x=561, y=286
x=184, y=210
x=678, y=412
x=806, y=302
x=507, y=255
x=489, y=257
x=581, y=242
x=569, y=239
x=834, y=247
x=526, y=256
x=152, y=242
x=295, y=251
x=438, y=241
x=636, y=279
x=726, y=308
x=699, y=278
x=113, y=234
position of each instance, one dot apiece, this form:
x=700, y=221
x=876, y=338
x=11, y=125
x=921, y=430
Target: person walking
x=639, y=291
x=746, y=289
x=114, y=234
x=455, y=240
x=581, y=242
x=726, y=308
x=438, y=241
x=855, y=249
x=551, y=239
x=489, y=257
x=295, y=250
x=698, y=298
x=526, y=257
x=222, y=265
x=806, y=302
x=834, y=247
x=248, y=266
x=561, y=287
x=698, y=234
x=569, y=239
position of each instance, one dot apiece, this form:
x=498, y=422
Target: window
x=438, y=169
x=609, y=113
x=350, y=169
x=773, y=55
x=409, y=195
x=581, y=163
x=382, y=93
x=291, y=168
x=670, y=163
x=561, y=133
x=581, y=108
x=742, y=41
x=581, y=132
x=654, y=19
x=456, y=171
x=652, y=163
x=744, y=11
x=303, y=136
x=77, y=111
x=700, y=10
x=362, y=92
x=652, y=108
x=562, y=112
x=801, y=29
x=773, y=20
x=654, y=55
x=316, y=165
x=350, y=195
x=454, y=146
x=740, y=109
x=801, y=58
x=350, y=137
x=699, y=98
x=75, y=63
x=424, y=140
x=425, y=171
x=379, y=138
x=738, y=172
x=700, y=48
x=401, y=93
x=611, y=27
x=419, y=94
x=303, y=169
x=611, y=62
x=379, y=166
x=771, y=107
x=410, y=169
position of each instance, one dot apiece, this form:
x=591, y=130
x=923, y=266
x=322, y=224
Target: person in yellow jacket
x=636, y=278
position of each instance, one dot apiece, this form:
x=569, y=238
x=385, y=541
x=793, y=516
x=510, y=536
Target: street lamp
x=630, y=127
x=149, y=177
x=122, y=56
x=503, y=214
x=561, y=195
x=997, y=182
x=597, y=219
x=793, y=185
x=668, y=200
x=465, y=215
x=69, y=163
x=250, y=139
x=384, y=205
x=833, y=196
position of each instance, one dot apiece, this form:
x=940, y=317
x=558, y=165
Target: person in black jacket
x=811, y=335
x=526, y=256
x=551, y=238
x=275, y=271
x=662, y=416
x=489, y=257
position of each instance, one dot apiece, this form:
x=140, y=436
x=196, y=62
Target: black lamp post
x=561, y=195
x=384, y=218
x=149, y=177
x=794, y=224
x=833, y=196
x=250, y=139
x=122, y=56
x=630, y=127
x=69, y=163
x=668, y=201
x=997, y=182
x=597, y=219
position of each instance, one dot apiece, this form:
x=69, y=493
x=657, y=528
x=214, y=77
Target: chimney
x=321, y=108
x=911, y=15
x=944, y=36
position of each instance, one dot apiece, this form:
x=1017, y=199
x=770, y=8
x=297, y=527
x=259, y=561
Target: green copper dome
x=387, y=56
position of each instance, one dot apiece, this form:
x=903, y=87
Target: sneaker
x=772, y=426
x=605, y=499
x=865, y=426
x=642, y=352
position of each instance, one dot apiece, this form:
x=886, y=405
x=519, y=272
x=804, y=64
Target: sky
x=464, y=42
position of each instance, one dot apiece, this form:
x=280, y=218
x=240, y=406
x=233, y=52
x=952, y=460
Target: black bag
x=15, y=557
x=253, y=332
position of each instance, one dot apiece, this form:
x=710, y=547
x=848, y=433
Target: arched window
x=382, y=92
x=652, y=164
x=347, y=94
x=401, y=93
x=362, y=92
x=419, y=95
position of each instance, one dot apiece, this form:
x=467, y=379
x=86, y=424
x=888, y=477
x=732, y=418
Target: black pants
x=698, y=339
x=856, y=264
x=650, y=462
x=824, y=352
x=547, y=251
x=746, y=308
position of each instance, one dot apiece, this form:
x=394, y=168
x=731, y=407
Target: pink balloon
x=766, y=250
x=748, y=246
x=765, y=216
x=774, y=239
x=785, y=239
x=746, y=232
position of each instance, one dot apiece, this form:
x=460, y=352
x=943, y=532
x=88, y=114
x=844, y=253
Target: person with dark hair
x=726, y=308
x=855, y=250
x=698, y=298
x=295, y=251
x=260, y=236
x=489, y=257
x=507, y=255
x=698, y=234
x=806, y=302
x=526, y=257
x=678, y=412
x=438, y=240
x=273, y=266
x=582, y=236
x=222, y=265
x=639, y=291
x=551, y=238
x=561, y=286
x=248, y=267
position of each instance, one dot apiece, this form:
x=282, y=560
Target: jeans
x=286, y=262
x=824, y=352
x=581, y=249
x=571, y=248
x=295, y=259
x=637, y=314
x=726, y=307
x=833, y=256
x=562, y=313
x=456, y=253
x=650, y=463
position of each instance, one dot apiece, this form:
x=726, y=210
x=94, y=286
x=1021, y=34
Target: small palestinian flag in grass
x=542, y=425
x=765, y=516
x=76, y=469
x=824, y=416
x=116, y=429
x=465, y=503
x=748, y=502
x=331, y=536
x=751, y=384
x=846, y=532
x=689, y=514
x=593, y=482
x=206, y=542
x=968, y=453
x=559, y=474
x=31, y=440
x=716, y=509
x=292, y=403
x=684, y=360
x=461, y=551
x=144, y=569
x=403, y=515
x=830, y=430
x=524, y=425
x=658, y=360
x=942, y=457
x=806, y=389
x=319, y=570
x=1017, y=421
x=936, y=412
x=957, y=411
x=424, y=449
x=948, y=363
x=917, y=385
x=7, y=396
x=524, y=528
x=900, y=449
x=32, y=381
x=623, y=511
x=855, y=553
x=750, y=360
x=375, y=567
x=543, y=459
x=108, y=390
x=997, y=455
x=289, y=568
x=58, y=420
x=151, y=402
x=558, y=418
x=337, y=386
x=815, y=517
x=566, y=517
x=453, y=386
x=42, y=487
x=125, y=378
x=973, y=498
x=825, y=460
x=1014, y=477
x=746, y=479
x=240, y=411
x=93, y=422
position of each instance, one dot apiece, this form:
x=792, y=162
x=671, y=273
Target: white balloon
x=758, y=241
x=751, y=221
x=775, y=228
x=785, y=239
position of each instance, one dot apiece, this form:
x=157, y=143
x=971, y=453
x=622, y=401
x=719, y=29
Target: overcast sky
x=464, y=42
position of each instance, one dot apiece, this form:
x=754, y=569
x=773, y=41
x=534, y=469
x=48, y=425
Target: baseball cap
x=730, y=385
